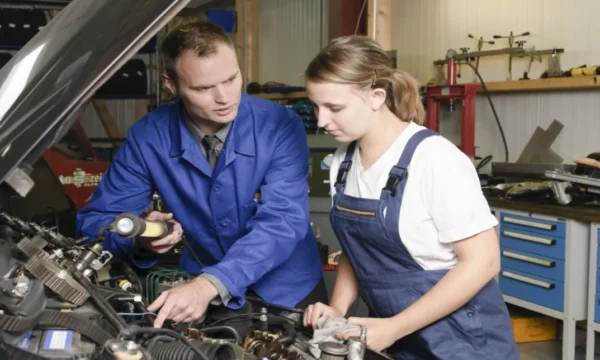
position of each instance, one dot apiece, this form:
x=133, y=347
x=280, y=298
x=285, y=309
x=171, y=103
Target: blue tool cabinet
x=593, y=323
x=544, y=267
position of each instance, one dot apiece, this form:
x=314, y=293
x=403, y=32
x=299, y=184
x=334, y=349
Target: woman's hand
x=314, y=312
x=381, y=333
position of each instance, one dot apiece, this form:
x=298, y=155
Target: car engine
x=65, y=298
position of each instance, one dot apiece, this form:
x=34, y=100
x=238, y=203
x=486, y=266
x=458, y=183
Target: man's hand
x=161, y=246
x=381, y=333
x=316, y=311
x=184, y=303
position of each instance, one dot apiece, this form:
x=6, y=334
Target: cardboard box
x=529, y=326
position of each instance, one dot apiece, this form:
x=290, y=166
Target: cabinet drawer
x=598, y=256
x=597, y=307
x=533, y=264
x=598, y=250
x=532, y=224
x=538, y=244
x=535, y=289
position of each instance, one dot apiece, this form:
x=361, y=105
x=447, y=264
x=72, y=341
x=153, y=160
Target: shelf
x=551, y=84
x=282, y=96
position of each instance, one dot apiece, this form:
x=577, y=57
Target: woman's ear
x=377, y=98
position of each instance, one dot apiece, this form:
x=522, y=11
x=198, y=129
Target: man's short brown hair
x=201, y=37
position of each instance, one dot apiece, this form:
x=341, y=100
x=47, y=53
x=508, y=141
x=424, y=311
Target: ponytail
x=404, y=99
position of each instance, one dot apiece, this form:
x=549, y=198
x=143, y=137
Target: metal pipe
x=465, y=56
x=451, y=78
x=374, y=14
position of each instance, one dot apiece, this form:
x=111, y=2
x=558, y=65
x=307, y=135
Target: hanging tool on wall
x=480, y=43
x=463, y=50
x=536, y=55
x=511, y=41
x=511, y=37
x=532, y=58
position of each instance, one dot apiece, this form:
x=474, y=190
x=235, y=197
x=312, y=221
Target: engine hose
x=180, y=351
x=133, y=331
x=290, y=336
x=225, y=328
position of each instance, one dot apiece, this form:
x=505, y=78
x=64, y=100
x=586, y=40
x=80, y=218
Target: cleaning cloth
x=326, y=327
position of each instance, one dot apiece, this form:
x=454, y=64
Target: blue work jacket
x=261, y=243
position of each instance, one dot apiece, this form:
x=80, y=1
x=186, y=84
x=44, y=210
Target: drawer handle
x=535, y=239
x=532, y=224
x=529, y=259
x=528, y=280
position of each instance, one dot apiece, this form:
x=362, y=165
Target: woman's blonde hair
x=361, y=61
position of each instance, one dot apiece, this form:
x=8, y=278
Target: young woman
x=417, y=235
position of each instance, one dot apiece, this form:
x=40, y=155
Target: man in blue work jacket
x=232, y=170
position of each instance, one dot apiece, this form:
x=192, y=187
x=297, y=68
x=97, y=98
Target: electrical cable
x=257, y=299
x=100, y=234
x=362, y=9
x=487, y=94
x=130, y=297
x=252, y=314
x=139, y=330
x=484, y=162
x=157, y=339
x=103, y=305
x=189, y=247
x=136, y=314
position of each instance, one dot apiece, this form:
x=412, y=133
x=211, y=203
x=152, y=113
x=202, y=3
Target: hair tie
x=374, y=77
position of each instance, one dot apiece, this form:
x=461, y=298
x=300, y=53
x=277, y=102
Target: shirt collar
x=199, y=134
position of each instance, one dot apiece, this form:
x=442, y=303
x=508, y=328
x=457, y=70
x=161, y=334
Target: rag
x=326, y=327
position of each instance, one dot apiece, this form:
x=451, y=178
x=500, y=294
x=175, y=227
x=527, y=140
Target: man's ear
x=377, y=98
x=170, y=84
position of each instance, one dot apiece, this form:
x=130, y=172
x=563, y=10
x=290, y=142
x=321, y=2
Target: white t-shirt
x=442, y=201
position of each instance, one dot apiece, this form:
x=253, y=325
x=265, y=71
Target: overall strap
x=342, y=174
x=400, y=170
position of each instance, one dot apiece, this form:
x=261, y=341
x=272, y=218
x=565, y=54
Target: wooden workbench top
x=582, y=213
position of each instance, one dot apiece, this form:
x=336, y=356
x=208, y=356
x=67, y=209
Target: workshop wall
x=290, y=32
x=424, y=30
x=122, y=112
x=520, y=114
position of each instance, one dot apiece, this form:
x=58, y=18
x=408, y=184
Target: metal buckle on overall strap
x=397, y=174
x=343, y=172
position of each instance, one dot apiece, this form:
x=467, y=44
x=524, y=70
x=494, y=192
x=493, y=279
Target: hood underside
x=45, y=84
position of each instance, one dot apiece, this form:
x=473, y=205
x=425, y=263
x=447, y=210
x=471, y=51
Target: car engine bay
x=65, y=298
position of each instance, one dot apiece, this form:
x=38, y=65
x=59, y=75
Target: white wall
x=424, y=30
x=291, y=33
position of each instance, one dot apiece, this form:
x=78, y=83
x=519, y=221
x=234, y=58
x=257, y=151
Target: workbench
x=545, y=261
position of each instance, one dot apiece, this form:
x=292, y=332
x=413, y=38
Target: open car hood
x=44, y=85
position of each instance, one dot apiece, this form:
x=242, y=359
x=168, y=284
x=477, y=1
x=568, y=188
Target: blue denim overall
x=390, y=279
